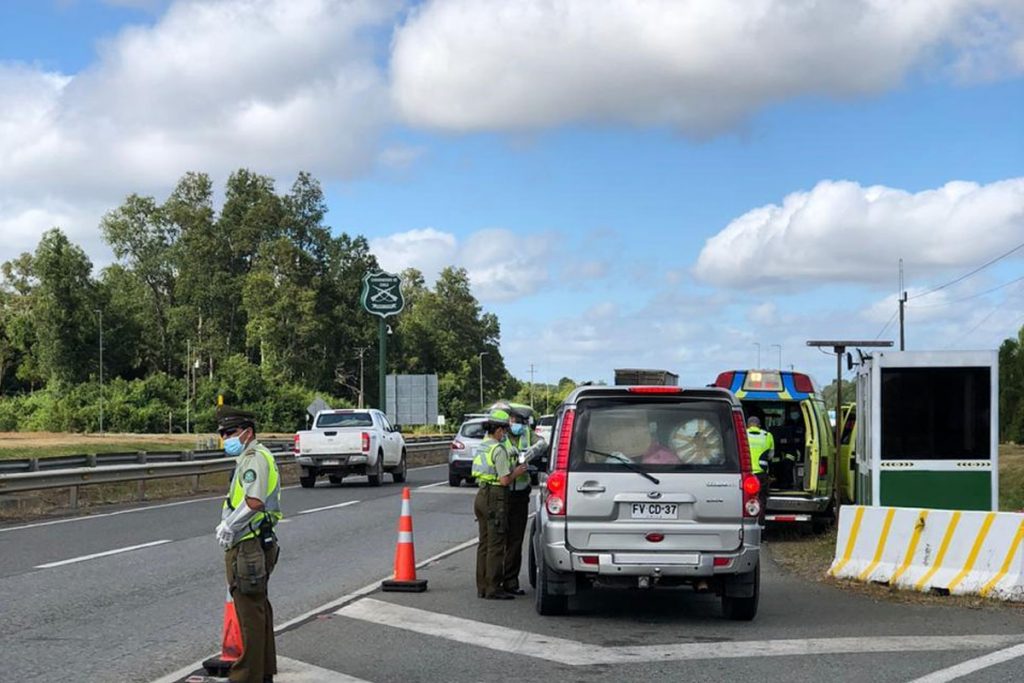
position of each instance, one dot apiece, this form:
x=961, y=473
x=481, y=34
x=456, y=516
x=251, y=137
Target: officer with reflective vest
x=523, y=444
x=494, y=473
x=762, y=450
x=246, y=532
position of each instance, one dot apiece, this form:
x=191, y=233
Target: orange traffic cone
x=231, y=642
x=405, y=555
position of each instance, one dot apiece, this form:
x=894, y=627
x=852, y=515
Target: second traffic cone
x=405, y=555
x=231, y=643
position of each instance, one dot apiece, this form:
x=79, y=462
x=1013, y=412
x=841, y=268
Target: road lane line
x=181, y=673
x=430, y=486
x=294, y=671
x=327, y=507
x=106, y=553
x=972, y=665
x=575, y=653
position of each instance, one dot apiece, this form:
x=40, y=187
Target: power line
x=981, y=322
x=973, y=272
x=973, y=296
x=879, y=335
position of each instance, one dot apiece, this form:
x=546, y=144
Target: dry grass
x=809, y=557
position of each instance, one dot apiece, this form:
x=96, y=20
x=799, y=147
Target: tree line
x=256, y=300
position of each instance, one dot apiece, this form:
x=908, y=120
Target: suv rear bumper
x=798, y=504
x=695, y=563
x=332, y=463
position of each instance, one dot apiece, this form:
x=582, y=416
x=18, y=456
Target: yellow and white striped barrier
x=956, y=551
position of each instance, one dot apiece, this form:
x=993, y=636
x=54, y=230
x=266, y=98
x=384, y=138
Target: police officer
x=246, y=532
x=523, y=443
x=494, y=472
x=762, y=449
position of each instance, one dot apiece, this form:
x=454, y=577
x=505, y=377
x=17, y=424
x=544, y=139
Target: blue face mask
x=233, y=446
x=516, y=429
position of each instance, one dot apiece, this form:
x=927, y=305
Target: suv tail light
x=366, y=442
x=823, y=468
x=295, y=445
x=558, y=480
x=749, y=482
x=458, y=446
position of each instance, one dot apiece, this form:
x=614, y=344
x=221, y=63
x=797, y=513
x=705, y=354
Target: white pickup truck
x=349, y=441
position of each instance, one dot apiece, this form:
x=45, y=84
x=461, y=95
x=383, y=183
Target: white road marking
x=971, y=665
x=430, y=486
x=293, y=671
x=327, y=507
x=106, y=553
x=84, y=518
x=575, y=653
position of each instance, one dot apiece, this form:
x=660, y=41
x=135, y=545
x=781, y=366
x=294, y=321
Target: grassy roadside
x=49, y=444
x=809, y=557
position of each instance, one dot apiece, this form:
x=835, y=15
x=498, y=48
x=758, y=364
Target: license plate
x=332, y=462
x=655, y=511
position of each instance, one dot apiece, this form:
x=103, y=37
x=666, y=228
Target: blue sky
x=654, y=184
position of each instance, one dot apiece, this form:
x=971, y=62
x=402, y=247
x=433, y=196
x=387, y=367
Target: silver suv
x=648, y=486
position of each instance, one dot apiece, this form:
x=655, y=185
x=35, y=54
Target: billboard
x=412, y=399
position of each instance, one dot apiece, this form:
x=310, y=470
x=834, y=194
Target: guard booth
x=928, y=430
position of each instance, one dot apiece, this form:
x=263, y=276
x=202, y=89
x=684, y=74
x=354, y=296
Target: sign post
x=382, y=296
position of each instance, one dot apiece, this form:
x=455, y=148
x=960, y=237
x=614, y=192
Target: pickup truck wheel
x=743, y=609
x=308, y=481
x=377, y=475
x=398, y=474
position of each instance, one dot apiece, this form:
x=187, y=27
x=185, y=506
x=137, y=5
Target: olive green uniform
x=518, y=511
x=491, y=509
x=250, y=560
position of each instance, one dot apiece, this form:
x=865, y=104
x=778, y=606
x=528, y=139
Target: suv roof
x=714, y=393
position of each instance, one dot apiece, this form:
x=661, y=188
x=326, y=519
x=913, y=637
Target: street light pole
x=780, y=353
x=99, y=312
x=758, y=345
x=361, y=352
x=480, y=357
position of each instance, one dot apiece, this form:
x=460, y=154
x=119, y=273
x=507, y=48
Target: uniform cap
x=752, y=421
x=233, y=418
x=498, y=417
x=521, y=410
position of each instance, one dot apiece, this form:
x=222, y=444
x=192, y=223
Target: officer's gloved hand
x=224, y=535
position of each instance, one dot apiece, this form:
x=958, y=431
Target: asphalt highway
x=78, y=606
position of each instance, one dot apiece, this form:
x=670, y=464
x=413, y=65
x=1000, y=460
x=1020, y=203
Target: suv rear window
x=473, y=430
x=345, y=420
x=691, y=436
x=546, y=421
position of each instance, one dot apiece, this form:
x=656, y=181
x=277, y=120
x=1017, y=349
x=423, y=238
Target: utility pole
x=362, y=350
x=99, y=312
x=480, y=357
x=532, y=371
x=903, y=303
x=758, y=345
x=188, y=384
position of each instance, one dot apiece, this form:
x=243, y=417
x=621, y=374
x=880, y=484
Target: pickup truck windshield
x=344, y=420
x=690, y=436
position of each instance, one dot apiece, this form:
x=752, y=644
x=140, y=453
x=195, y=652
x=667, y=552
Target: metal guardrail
x=112, y=468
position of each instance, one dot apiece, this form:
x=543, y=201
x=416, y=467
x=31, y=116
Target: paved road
x=139, y=614
x=147, y=614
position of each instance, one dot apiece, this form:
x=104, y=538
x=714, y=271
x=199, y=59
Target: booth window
x=936, y=413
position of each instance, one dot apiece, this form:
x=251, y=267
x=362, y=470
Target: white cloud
x=701, y=66
x=842, y=231
x=502, y=266
x=278, y=86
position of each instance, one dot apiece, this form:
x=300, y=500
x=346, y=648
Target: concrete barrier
x=948, y=551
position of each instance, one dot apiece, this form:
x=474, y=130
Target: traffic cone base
x=231, y=643
x=404, y=579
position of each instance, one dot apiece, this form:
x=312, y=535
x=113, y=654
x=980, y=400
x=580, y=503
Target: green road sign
x=382, y=294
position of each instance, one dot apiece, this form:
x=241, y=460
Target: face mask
x=233, y=446
x=517, y=429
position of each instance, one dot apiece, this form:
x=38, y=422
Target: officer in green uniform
x=246, y=532
x=493, y=471
x=522, y=444
x=762, y=449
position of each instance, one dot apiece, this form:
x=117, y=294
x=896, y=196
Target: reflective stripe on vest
x=271, y=504
x=522, y=482
x=484, y=470
x=760, y=442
